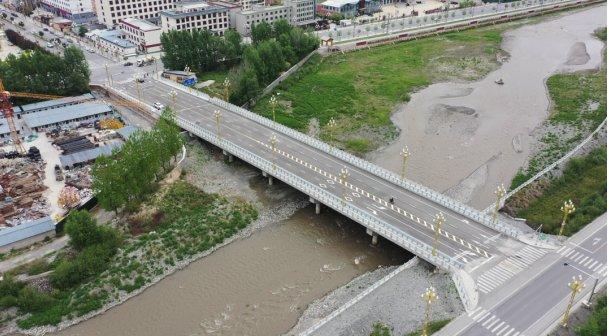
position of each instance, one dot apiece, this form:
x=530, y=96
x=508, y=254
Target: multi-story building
x=258, y=14
x=303, y=11
x=143, y=34
x=111, y=12
x=196, y=14
x=78, y=11
x=348, y=8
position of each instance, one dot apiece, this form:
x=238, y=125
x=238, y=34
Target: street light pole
x=567, y=209
x=218, y=116
x=274, y=147
x=226, y=85
x=137, y=87
x=499, y=192
x=430, y=296
x=344, y=174
x=438, y=221
x=405, y=156
x=273, y=102
x=174, y=97
x=108, y=74
x=576, y=285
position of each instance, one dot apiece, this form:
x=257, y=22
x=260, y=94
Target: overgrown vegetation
x=579, y=106
x=380, y=329
x=359, y=90
x=432, y=327
x=22, y=42
x=41, y=72
x=584, y=181
x=596, y=325
x=129, y=175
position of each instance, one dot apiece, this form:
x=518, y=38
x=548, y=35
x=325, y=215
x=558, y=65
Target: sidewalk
x=38, y=253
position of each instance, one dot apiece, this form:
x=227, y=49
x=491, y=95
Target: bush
x=596, y=325
x=30, y=300
x=91, y=261
x=82, y=229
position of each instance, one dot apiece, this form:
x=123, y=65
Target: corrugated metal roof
x=4, y=126
x=126, y=131
x=87, y=155
x=26, y=230
x=65, y=113
x=55, y=102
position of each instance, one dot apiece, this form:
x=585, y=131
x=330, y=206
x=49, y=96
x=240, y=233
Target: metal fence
x=376, y=224
x=550, y=167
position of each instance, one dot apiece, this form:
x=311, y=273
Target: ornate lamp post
x=567, y=209
x=108, y=74
x=405, y=155
x=218, y=116
x=430, y=296
x=273, y=102
x=499, y=192
x=174, y=97
x=274, y=141
x=576, y=285
x=439, y=220
x=344, y=174
x=226, y=85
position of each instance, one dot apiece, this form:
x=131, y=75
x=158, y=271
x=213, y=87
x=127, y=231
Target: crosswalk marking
x=508, y=268
x=493, y=323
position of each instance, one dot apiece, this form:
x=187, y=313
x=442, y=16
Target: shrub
x=30, y=300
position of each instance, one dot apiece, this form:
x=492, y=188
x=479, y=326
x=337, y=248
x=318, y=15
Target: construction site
x=46, y=153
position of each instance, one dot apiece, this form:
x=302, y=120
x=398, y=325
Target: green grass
x=584, y=181
x=573, y=95
x=596, y=324
x=216, y=89
x=433, y=327
x=359, y=90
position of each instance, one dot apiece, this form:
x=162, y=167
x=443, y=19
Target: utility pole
x=499, y=192
x=218, y=116
x=576, y=285
x=226, y=85
x=430, y=296
x=344, y=174
x=405, y=156
x=274, y=147
x=137, y=86
x=567, y=209
x=438, y=221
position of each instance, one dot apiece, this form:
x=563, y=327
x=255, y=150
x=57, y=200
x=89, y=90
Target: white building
x=195, y=14
x=112, y=42
x=258, y=14
x=111, y=12
x=79, y=11
x=303, y=11
x=143, y=34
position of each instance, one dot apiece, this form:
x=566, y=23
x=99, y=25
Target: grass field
x=360, y=90
x=217, y=88
x=584, y=181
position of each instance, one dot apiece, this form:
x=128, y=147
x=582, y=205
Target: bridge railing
x=374, y=223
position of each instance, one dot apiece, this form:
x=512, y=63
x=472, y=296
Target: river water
x=261, y=284
x=473, y=136
x=254, y=286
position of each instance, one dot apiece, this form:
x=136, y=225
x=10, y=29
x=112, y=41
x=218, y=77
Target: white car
x=50, y=45
x=158, y=106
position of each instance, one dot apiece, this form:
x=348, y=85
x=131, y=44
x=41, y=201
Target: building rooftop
x=262, y=9
x=54, y=103
x=207, y=9
x=114, y=37
x=139, y=24
x=339, y=3
x=26, y=230
x=4, y=126
x=87, y=155
x=126, y=131
x=65, y=113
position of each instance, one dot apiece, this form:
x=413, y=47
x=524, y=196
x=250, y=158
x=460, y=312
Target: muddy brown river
x=260, y=285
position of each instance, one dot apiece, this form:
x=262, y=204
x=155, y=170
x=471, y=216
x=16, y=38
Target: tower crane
x=6, y=110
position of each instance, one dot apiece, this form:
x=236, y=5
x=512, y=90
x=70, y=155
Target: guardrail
x=550, y=167
x=378, y=225
x=369, y=167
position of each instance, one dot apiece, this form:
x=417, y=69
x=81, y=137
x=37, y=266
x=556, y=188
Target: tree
x=281, y=27
x=41, y=33
x=82, y=229
x=246, y=85
x=82, y=30
x=335, y=17
x=261, y=32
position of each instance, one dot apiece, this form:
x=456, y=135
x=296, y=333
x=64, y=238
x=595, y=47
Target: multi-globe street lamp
x=567, y=209
x=405, y=156
x=576, y=286
x=218, y=116
x=439, y=220
x=430, y=296
x=499, y=193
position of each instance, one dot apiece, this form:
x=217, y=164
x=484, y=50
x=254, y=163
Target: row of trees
x=41, y=72
x=20, y=41
x=200, y=50
x=128, y=176
x=274, y=49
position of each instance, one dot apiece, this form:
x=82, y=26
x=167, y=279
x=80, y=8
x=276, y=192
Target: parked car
x=140, y=80
x=158, y=106
x=128, y=63
x=45, y=29
x=50, y=45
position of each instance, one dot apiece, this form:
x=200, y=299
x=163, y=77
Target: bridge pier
x=230, y=156
x=375, y=236
x=317, y=205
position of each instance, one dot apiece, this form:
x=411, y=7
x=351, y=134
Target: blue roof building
x=52, y=118
x=26, y=234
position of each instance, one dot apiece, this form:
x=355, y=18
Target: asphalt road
x=412, y=214
x=533, y=303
